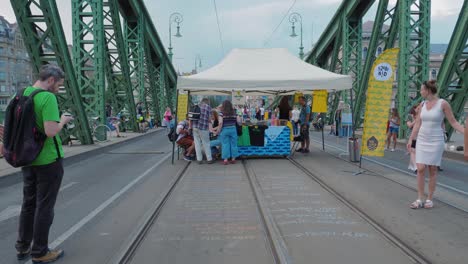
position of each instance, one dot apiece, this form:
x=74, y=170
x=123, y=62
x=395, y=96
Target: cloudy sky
x=249, y=24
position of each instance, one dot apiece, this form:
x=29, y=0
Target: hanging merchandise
x=257, y=135
x=320, y=101
x=296, y=97
x=244, y=139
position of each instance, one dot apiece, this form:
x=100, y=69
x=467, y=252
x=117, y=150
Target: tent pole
x=175, y=121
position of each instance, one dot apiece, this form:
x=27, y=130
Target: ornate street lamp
x=294, y=18
x=174, y=18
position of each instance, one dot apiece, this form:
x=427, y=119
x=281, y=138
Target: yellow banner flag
x=320, y=100
x=182, y=107
x=378, y=100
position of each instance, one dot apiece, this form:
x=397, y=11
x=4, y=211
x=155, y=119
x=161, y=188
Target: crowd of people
x=214, y=133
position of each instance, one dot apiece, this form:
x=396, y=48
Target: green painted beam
x=453, y=73
x=134, y=42
x=350, y=8
x=137, y=8
x=151, y=86
x=361, y=92
x=118, y=68
x=88, y=55
x=41, y=27
x=414, y=44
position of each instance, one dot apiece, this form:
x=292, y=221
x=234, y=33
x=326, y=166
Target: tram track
x=273, y=237
x=440, y=185
x=276, y=244
x=276, y=241
x=409, y=251
x=130, y=248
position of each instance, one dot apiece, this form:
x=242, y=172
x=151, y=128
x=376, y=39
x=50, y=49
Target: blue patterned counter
x=277, y=143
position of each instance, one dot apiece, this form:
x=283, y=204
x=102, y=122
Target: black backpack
x=22, y=139
x=194, y=113
x=172, y=134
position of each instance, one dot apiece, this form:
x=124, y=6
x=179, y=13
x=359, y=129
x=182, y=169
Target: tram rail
x=439, y=185
x=409, y=251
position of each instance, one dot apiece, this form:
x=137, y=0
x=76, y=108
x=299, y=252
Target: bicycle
x=101, y=133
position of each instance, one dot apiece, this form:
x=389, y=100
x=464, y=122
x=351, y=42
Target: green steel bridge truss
x=124, y=65
x=339, y=49
x=453, y=74
x=41, y=27
x=110, y=64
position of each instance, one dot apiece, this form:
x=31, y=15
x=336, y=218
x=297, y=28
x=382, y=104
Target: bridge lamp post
x=174, y=18
x=197, y=59
x=294, y=18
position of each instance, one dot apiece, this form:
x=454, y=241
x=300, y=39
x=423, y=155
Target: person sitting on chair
x=113, y=124
x=185, y=139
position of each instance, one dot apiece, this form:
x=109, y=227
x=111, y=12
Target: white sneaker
x=392, y=150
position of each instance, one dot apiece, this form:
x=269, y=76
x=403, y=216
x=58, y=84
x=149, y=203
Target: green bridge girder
x=414, y=42
x=106, y=68
x=118, y=69
x=453, y=74
x=88, y=55
x=339, y=50
x=141, y=34
x=41, y=27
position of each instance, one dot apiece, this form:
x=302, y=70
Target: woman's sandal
x=428, y=204
x=417, y=204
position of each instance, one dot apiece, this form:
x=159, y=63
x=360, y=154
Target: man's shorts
x=394, y=130
x=305, y=131
x=185, y=142
x=111, y=127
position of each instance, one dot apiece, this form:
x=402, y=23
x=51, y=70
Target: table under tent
x=254, y=72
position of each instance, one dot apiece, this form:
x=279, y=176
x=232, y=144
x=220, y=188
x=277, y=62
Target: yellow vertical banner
x=182, y=107
x=378, y=100
x=320, y=100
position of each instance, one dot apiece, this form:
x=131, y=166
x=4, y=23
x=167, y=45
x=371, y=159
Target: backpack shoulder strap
x=21, y=92
x=57, y=148
x=36, y=92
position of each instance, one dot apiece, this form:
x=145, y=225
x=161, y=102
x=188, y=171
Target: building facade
x=15, y=64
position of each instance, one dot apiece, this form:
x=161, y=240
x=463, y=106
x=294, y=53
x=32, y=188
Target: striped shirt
x=230, y=120
x=204, y=121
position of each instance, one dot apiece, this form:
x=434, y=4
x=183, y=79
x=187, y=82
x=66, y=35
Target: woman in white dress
x=430, y=140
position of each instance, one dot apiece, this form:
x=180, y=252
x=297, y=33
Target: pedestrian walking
x=167, y=118
x=201, y=132
x=42, y=179
x=410, y=122
x=304, y=118
x=394, y=128
x=228, y=133
x=430, y=140
x=285, y=111
x=337, y=118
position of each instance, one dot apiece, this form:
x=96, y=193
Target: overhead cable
x=219, y=27
x=267, y=41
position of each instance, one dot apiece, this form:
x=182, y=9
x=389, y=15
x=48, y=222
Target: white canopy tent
x=263, y=71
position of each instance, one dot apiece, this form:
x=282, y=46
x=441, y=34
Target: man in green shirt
x=43, y=177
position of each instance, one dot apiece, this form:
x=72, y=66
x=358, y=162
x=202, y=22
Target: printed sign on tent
x=238, y=98
x=378, y=102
